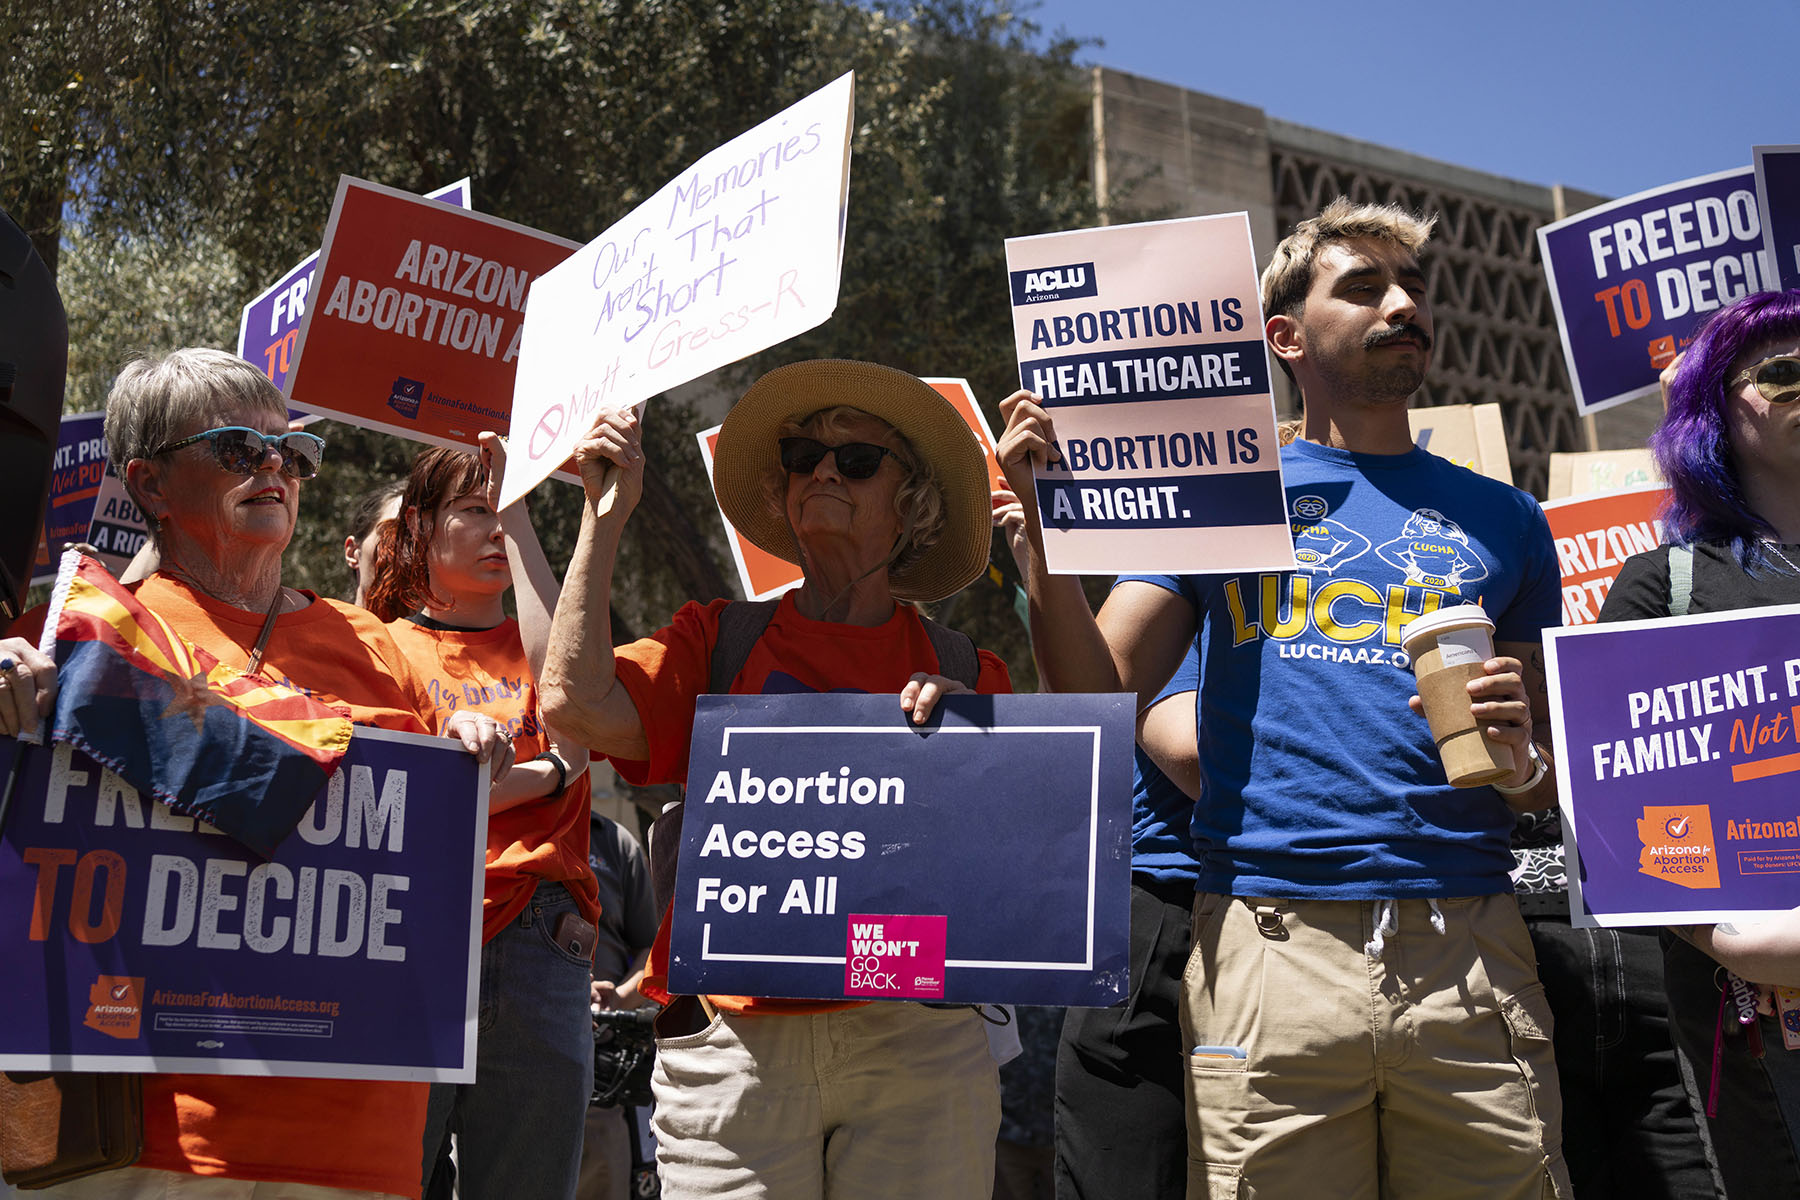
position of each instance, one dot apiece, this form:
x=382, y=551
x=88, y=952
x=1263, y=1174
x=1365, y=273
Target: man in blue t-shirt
x=1361, y=997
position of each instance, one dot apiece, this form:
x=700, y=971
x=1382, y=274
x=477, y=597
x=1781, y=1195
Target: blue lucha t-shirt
x=1161, y=813
x=1320, y=781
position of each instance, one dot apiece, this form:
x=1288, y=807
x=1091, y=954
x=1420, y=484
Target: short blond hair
x=1289, y=275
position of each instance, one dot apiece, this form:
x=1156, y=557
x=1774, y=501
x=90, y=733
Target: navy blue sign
x=133, y=939
x=1193, y=372
x=1778, y=198
x=1068, y=282
x=831, y=850
x=1631, y=280
x=1171, y=502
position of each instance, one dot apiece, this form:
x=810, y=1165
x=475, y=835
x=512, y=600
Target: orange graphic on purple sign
x=1678, y=845
x=116, y=1005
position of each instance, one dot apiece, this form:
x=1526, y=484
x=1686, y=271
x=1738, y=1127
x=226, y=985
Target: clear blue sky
x=1603, y=95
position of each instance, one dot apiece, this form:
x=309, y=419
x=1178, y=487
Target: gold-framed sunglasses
x=1777, y=379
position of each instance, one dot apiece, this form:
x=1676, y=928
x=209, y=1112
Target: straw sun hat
x=746, y=452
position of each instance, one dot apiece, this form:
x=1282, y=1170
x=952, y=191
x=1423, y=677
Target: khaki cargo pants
x=1419, y=1067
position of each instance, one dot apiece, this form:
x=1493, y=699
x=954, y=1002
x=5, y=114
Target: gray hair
x=157, y=397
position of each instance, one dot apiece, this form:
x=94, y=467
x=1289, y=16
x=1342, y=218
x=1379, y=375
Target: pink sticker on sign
x=895, y=957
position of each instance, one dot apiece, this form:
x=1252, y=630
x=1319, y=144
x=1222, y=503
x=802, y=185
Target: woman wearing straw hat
x=873, y=484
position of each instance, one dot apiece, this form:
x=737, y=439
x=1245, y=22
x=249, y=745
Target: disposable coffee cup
x=1448, y=648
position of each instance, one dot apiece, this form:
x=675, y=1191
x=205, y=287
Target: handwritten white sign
x=740, y=251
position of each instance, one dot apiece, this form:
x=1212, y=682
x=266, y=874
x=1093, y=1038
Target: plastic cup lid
x=1431, y=625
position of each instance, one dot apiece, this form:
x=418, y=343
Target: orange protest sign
x=416, y=315
x=962, y=398
x=1594, y=536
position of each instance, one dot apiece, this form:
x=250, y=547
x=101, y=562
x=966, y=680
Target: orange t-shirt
x=359, y=1134
x=484, y=671
x=666, y=672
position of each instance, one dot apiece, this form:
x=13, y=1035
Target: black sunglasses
x=241, y=450
x=855, y=460
x=1777, y=379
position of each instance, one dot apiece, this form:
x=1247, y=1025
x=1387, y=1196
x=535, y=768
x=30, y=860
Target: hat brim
x=746, y=453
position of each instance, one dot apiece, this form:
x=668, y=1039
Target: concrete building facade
x=1166, y=151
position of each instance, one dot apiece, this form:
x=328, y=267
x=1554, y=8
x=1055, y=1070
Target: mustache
x=1394, y=333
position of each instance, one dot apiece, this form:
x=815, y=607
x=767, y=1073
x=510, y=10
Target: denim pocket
x=543, y=922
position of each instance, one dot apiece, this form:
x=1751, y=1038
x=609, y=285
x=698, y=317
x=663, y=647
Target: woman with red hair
x=455, y=554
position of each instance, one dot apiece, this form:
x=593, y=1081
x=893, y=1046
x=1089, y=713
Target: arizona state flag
x=244, y=754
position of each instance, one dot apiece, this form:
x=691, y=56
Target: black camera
x=624, y=1055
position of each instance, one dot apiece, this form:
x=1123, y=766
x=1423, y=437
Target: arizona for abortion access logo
x=1678, y=845
x=406, y=397
x=116, y=1005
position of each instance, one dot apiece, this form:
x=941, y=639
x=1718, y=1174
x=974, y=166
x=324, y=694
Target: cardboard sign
x=269, y=330
x=1145, y=343
x=1590, y=471
x=1678, y=765
x=760, y=573
x=1469, y=435
x=132, y=939
x=737, y=253
x=1632, y=279
x=75, y=475
x=1778, y=199
x=830, y=849
x=415, y=318
x=1594, y=536
x=118, y=529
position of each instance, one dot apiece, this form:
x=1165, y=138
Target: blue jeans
x=1627, y=1127
x=519, y=1125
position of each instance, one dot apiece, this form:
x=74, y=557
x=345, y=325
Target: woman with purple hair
x=1729, y=447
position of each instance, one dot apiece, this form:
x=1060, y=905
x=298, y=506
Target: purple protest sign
x=75, y=476
x=1678, y=765
x=132, y=939
x=1778, y=199
x=1632, y=279
x=269, y=330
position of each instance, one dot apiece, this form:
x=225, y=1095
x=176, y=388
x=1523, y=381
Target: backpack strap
x=1681, y=579
x=956, y=654
x=740, y=624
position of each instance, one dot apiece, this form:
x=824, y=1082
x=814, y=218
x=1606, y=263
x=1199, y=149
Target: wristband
x=562, y=769
x=1538, y=770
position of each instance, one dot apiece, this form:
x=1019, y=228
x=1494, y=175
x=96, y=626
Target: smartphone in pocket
x=576, y=934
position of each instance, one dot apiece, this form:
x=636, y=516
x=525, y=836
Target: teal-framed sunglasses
x=241, y=450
